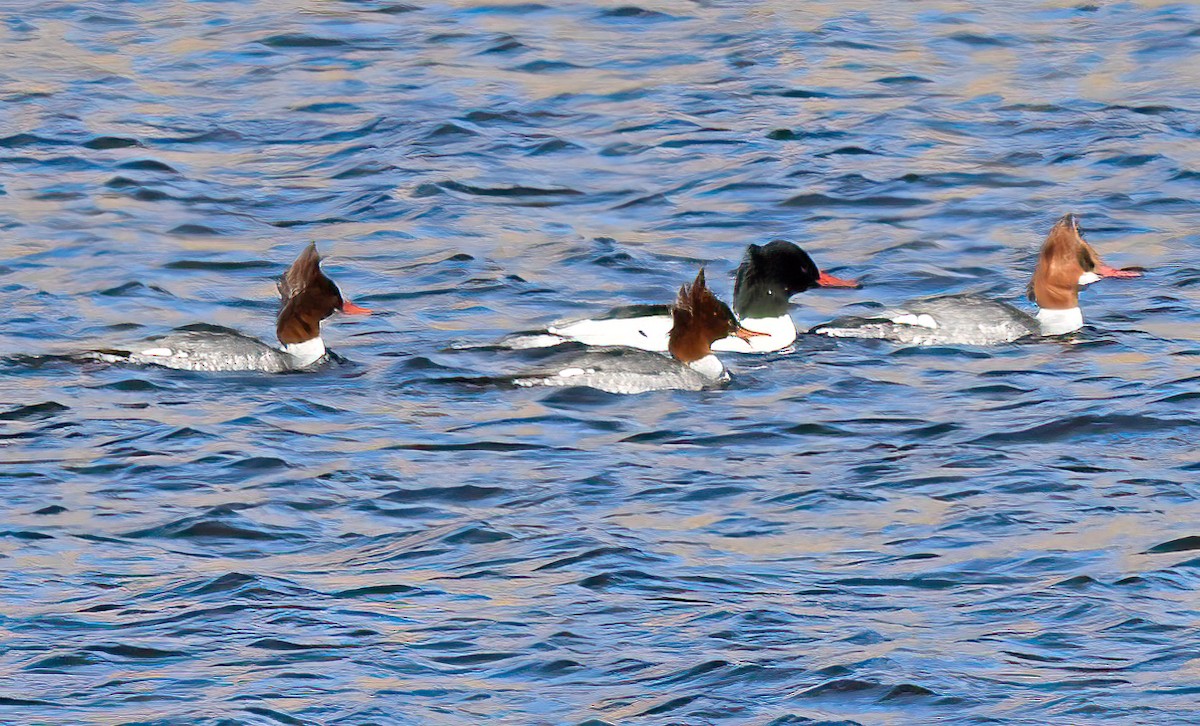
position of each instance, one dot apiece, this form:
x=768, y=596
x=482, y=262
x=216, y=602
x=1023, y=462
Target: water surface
x=854, y=532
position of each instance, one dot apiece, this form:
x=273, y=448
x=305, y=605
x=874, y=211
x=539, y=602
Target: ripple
x=132, y=652
x=1076, y=427
x=110, y=142
x=464, y=493
x=34, y=412
x=219, y=265
x=207, y=528
x=1183, y=544
x=300, y=40
x=824, y=200
x=406, y=536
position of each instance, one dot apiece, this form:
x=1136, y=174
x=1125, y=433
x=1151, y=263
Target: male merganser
x=699, y=320
x=308, y=297
x=1066, y=263
x=766, y=279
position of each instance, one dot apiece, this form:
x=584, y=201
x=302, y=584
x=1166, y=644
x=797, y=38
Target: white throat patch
x=306, y=353
x=1060, y=322
x=1088, y=278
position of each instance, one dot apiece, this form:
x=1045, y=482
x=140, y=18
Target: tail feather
x=104, y=355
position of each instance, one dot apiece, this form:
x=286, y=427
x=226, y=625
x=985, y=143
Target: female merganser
x=698, y=320
x=1066, y=263
x=766, y=279
x=308, y=297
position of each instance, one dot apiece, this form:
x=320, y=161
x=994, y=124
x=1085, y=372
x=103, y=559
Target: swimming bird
x=308, y=297
x=768, y=276
x=698, y=319
x=1065, y=264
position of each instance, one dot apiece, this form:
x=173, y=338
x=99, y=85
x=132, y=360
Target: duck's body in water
x=1065, y=264
x=308, y=297
x=698, y=320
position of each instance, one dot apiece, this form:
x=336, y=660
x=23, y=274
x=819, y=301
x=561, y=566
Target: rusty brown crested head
x=308, y=297
x=1063, y=266
x=699, y=319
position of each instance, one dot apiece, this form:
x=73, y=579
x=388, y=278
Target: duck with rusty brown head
x=699, y=319
x=308, y=297
x=1065, y=265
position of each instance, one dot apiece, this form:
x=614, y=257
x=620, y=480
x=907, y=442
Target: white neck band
x=306, y=353
x=1060, y=322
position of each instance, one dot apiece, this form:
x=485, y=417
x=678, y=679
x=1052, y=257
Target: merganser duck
x=767, y=278
x=699, y=319
x=1066, y=263
x=308, y=297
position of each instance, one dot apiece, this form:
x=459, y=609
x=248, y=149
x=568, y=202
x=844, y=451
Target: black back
x=769, y=275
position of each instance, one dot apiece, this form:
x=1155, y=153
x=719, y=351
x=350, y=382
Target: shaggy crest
x=699, y=319
x=308, y=297
x=304, y=270
x=1065, y=255
x=695, y=298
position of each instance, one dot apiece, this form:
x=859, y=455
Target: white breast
x=780, y=333
x=709, y=367
x=306, y=353
x=1060, y=322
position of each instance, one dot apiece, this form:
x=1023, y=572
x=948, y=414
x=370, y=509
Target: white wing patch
x=923, y=320
x=533, y=341
x=833, y=332
x=572, y=372
x=164, y=353
x=709, y=366
x=555, y=379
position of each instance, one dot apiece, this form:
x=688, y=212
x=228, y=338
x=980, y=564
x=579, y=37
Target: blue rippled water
x=852, y=533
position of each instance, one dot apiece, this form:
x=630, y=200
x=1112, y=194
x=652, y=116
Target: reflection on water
x=853, y=532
